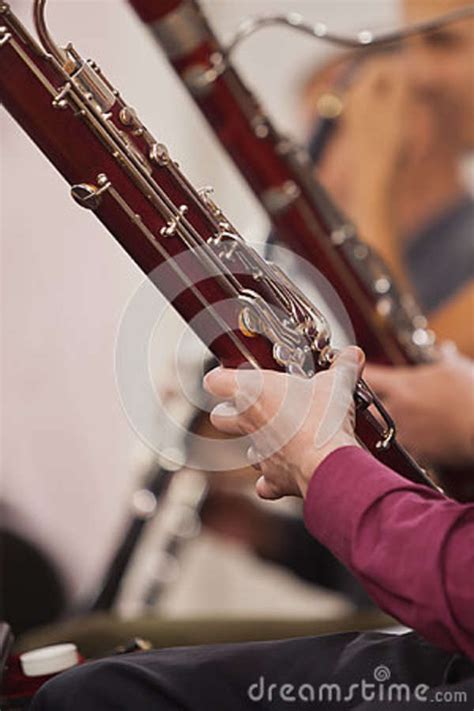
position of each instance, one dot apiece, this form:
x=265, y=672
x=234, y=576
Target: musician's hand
x=363, y=164
x=375, y=119
x=432, y=405
x=371, y=134
x=292, y=423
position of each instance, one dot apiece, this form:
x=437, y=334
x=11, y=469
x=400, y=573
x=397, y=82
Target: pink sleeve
x=411, y=548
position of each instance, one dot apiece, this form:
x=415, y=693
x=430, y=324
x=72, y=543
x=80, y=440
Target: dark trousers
x=370, y=672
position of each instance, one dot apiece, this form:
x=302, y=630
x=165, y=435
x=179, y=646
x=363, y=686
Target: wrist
x=318, y=456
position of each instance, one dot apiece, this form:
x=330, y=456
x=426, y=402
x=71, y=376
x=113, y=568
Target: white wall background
x=67, y=448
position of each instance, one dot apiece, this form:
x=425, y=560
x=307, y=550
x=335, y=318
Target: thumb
x=349, y=364
x=339, y=401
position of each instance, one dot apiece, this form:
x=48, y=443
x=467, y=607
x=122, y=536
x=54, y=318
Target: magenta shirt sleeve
x=411, y=548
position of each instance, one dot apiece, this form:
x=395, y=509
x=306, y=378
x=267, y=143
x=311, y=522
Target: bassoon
x=388, y=325
x=242, y=307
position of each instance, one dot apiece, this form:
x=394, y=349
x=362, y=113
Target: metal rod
x=363, y=40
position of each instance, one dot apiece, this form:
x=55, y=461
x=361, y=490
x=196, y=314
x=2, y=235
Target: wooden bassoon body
x=388, y=324
x=242, y=307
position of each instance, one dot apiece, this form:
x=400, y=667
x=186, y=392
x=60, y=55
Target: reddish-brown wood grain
x=70, y=138
x=232, y=111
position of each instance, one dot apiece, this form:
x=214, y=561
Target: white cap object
x=49, y=660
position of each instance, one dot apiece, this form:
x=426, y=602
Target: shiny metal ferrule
x=181, y=31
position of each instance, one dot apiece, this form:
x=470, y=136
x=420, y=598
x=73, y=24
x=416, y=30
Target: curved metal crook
x=363, y=39
x=47, y=41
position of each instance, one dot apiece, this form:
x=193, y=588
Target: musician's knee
x=74, y=690
x=98, y=686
